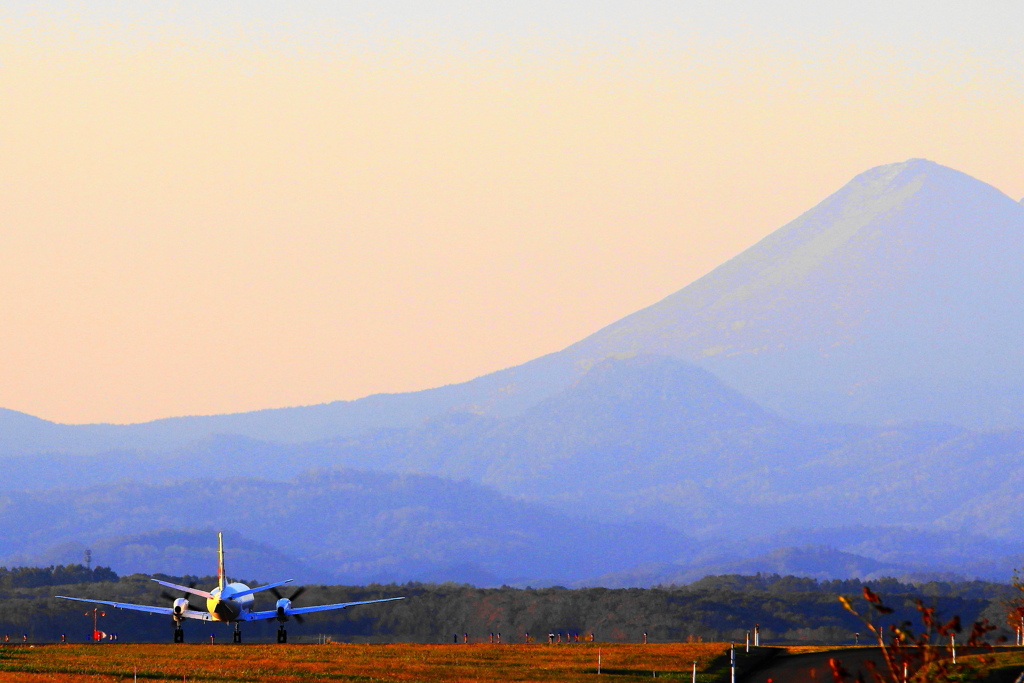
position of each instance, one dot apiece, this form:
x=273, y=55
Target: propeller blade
x=192, y=584
x=298, y=591
x=276, y=593
x=171, y=598
x=299, y=618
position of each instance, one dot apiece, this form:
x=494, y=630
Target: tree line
x=54, y=575
x=720, y=608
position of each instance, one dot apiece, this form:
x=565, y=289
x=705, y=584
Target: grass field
x=403, y=663
x=348, y=662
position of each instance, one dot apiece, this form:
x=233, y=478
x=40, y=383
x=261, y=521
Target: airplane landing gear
x=179, y=634
x=236, y=637
x=282, y=635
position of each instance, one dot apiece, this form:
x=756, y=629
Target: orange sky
x=191, y=230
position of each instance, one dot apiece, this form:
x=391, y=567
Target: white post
x=695, y=671
x=748, y=642
x=598, y=661
x=904, y=672
x=952, y=644
x=732, y=663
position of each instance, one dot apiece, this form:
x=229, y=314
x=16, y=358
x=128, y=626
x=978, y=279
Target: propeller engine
x=178, y=605
x=284, y=604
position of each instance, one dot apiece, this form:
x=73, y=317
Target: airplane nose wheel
x=179, y=635
x=282, y=635
x=236, y=637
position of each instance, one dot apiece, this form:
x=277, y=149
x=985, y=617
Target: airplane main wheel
x=179, y=635
x=282, y=635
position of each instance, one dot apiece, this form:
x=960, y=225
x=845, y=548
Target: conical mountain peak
x=904, y=171
x=909, y=275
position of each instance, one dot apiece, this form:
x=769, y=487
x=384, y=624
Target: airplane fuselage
x=223, y=607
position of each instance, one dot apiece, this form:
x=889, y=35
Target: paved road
x=813, y=667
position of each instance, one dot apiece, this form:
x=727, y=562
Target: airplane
x=230, y=603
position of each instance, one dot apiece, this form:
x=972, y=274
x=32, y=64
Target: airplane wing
x=190, y=614
x=252, y=616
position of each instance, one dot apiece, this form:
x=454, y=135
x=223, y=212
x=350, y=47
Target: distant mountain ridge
x=647, y=438
x=500, y=393
x=896, y=298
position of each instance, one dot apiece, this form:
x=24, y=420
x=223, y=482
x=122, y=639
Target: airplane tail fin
x=221, y=578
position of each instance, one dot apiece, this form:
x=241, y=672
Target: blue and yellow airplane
x=229, y=602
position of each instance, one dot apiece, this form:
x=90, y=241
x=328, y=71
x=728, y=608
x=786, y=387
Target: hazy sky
x=208, y=207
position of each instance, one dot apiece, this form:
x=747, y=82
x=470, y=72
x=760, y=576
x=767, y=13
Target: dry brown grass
x=395, y=662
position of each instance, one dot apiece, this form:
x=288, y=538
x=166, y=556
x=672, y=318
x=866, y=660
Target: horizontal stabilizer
x=260, y=588
x=185, y=589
